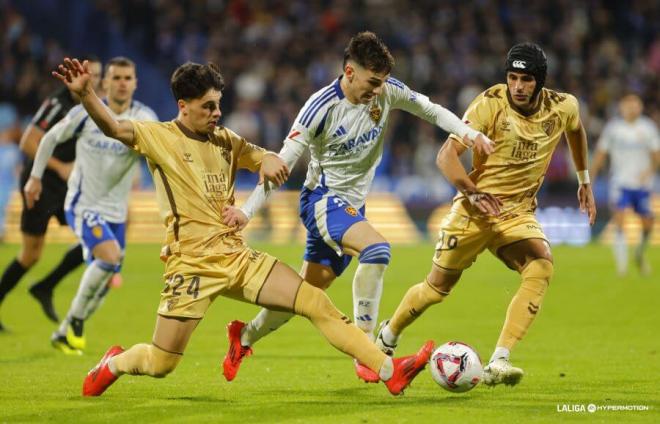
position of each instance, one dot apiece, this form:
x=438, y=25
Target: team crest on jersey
x=351, y=211
x=375, y=113
x=171, y=303
x=549, y=126
x=97, y=231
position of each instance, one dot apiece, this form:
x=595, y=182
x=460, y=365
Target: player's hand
x=64, y=170
x=481, y=144
x=485, y=202
x=273, y=169
x=587, y=203
x=234, y=217
x=75, y=76
x=32, y=191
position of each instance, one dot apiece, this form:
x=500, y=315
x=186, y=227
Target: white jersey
x=630, y=146
x=345, y=140
x=104, y=167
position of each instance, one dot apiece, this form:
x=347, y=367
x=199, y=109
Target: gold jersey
x=194, y=179
x=523, y=147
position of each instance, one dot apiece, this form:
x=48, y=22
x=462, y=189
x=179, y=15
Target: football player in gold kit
x=495, y=204
x=194, y=163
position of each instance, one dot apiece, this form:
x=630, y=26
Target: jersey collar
x=188, y=133
x=338, y=89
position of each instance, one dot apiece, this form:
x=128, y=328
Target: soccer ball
x=456, y=367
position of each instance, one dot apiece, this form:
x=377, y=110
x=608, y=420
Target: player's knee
x=162, y=363
x=537, y=274
x=443, y=280
x=312, y=302
x=28, y=259
x=106, y=265
x=377, y=253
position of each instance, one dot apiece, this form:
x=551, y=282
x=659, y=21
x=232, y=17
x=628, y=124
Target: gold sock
x=145, y=359
x=526, y=303
x=337, y=328
x=416, y=300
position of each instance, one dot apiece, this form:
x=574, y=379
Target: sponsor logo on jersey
x=187, y=157
x=520, y=64
x=357, y=144
x=375, y=113
x=351, y=211
x=525, y=149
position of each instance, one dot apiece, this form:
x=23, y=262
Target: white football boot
x=387, y=349
x=500, y=371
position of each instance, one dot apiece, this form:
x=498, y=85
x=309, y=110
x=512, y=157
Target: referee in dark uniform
x=34, y=221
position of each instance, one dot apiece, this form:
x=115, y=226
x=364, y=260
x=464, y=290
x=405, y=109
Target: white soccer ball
x=456, y=367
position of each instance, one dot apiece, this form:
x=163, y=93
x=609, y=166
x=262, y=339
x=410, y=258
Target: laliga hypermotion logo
x=520, y=64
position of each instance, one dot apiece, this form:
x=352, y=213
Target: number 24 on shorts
x=176, y=281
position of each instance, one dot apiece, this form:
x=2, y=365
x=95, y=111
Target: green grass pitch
x=595, y=341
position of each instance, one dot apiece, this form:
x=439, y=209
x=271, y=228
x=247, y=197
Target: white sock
x=264, y=323
x=367, y=291
x=386, y=370
x=94, y=278
x=500, y=352
x=96, y=301
x=620, y=252
x=389, y=338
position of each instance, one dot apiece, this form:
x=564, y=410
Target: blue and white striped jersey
x=104, y=168
x=630, y=146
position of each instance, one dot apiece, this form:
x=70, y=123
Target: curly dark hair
x=370, y=52
x=193, y=80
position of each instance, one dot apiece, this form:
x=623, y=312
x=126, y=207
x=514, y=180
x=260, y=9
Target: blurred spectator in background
x=274, y=54
x=9, y=158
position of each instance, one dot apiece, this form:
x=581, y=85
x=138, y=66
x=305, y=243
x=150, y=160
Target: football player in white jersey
x=97, y=197
x=343, y=126
x=633, y=145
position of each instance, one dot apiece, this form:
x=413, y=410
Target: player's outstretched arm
x=577, y=141
x=274, y=170
x=76, y=77
x=290, y=153
x=449, y=164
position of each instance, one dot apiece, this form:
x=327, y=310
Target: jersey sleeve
x=247, y=155
x=573, y=113
x=147, y=141
x=402, y=97
x=310, y=121
x=653, y=136
x=51, y=111
x=605, y=140
x=62, y=131
x=478, y=116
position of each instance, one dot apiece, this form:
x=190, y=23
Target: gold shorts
x=462, y=238
x=192, y=283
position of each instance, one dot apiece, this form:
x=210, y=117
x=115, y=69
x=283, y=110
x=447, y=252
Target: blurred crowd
x=274, y=54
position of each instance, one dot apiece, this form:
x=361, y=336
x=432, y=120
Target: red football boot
x=100, y=377
x=236, y=352
x=407, y=368
x=365, y=373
